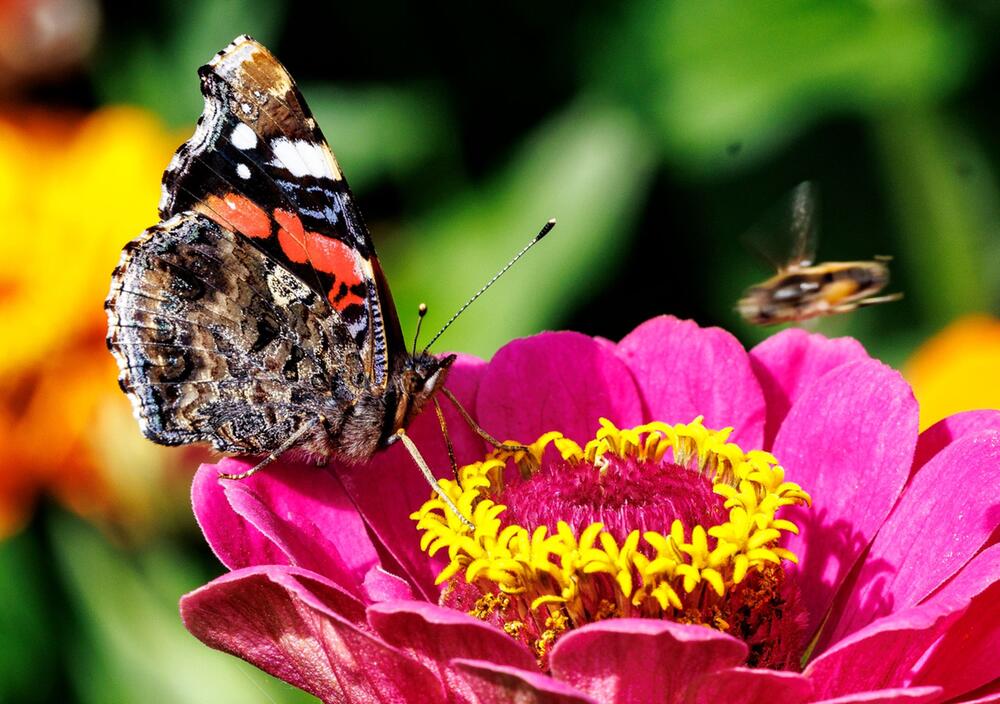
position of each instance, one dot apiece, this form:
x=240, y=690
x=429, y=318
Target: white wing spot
x=302, y=158
x=246, y=108
x=357, y=326
x=285, y=288
x=243, y=171
x=243, y=137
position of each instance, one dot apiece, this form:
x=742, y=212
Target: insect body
x=802, y=290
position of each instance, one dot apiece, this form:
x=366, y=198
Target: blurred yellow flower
x=73, y=190
x=958, y=369
x=72, y=193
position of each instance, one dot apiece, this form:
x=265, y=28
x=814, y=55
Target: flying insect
x=803, y=289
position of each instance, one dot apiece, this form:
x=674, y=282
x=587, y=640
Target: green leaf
x=944, y=195
x=27, y=651
x=714, y=74
x=131, y=646
x=588, y=167
x=380, y=131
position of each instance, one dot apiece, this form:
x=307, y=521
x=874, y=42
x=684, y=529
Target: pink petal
x=304, y=630
x=610, y=344
x=290, y=513
x=561, y=381
x=435, y=635
x=236, y=542
x=882, y=655
x=381, y=585
x=684, y=371
x=909, y=695
x=982, y=571
x=948, y=430
x=750, y=686
x=496, y=684
x=990, y=694
x=849, y=442
x=390, y=487
x=641, y=660
x=943, y=513
x=891, y=651
x=966, y=656
x=787, y=363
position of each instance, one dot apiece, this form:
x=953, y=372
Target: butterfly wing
x=259, y=165
x=786, y=236
x=217, y=342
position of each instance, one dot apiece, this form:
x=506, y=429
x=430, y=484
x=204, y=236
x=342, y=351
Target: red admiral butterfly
x=255, y=316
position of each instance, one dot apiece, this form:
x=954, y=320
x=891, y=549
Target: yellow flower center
x=537, y=581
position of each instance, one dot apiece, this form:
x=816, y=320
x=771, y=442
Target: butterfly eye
x=413, y=381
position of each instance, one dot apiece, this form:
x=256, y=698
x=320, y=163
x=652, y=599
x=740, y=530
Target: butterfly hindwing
x=259, y=165
x=219, y=343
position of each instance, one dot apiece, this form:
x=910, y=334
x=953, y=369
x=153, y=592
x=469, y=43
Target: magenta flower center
x=624, y=495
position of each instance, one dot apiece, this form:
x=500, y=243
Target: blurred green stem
x=938, y=185
x=128, y=644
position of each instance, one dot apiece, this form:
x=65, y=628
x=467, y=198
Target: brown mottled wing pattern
x=259, y=165
x=219, y=343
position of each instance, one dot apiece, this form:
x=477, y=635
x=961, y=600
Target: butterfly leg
x=429, y=476
x=505, y=446
x=285, y=446
x=447, y=438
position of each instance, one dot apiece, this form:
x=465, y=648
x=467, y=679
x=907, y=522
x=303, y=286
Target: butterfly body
x=257, y=311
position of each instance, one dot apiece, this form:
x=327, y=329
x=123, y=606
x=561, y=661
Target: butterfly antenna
x=421, y=312
x=546, y=228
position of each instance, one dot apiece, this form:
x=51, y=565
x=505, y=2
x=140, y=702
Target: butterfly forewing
x=259, y=165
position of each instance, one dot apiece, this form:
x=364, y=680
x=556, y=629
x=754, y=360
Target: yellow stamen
x=563, y=580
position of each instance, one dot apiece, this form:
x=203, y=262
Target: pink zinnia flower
x=668, y=552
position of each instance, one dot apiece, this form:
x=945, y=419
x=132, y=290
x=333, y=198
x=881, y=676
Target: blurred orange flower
x=73, y=190
x=958, y=369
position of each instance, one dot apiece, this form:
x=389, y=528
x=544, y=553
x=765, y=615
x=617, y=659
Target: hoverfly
x=803, y=289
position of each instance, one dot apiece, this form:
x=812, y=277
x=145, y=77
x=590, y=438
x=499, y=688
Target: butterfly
x=255, y=316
